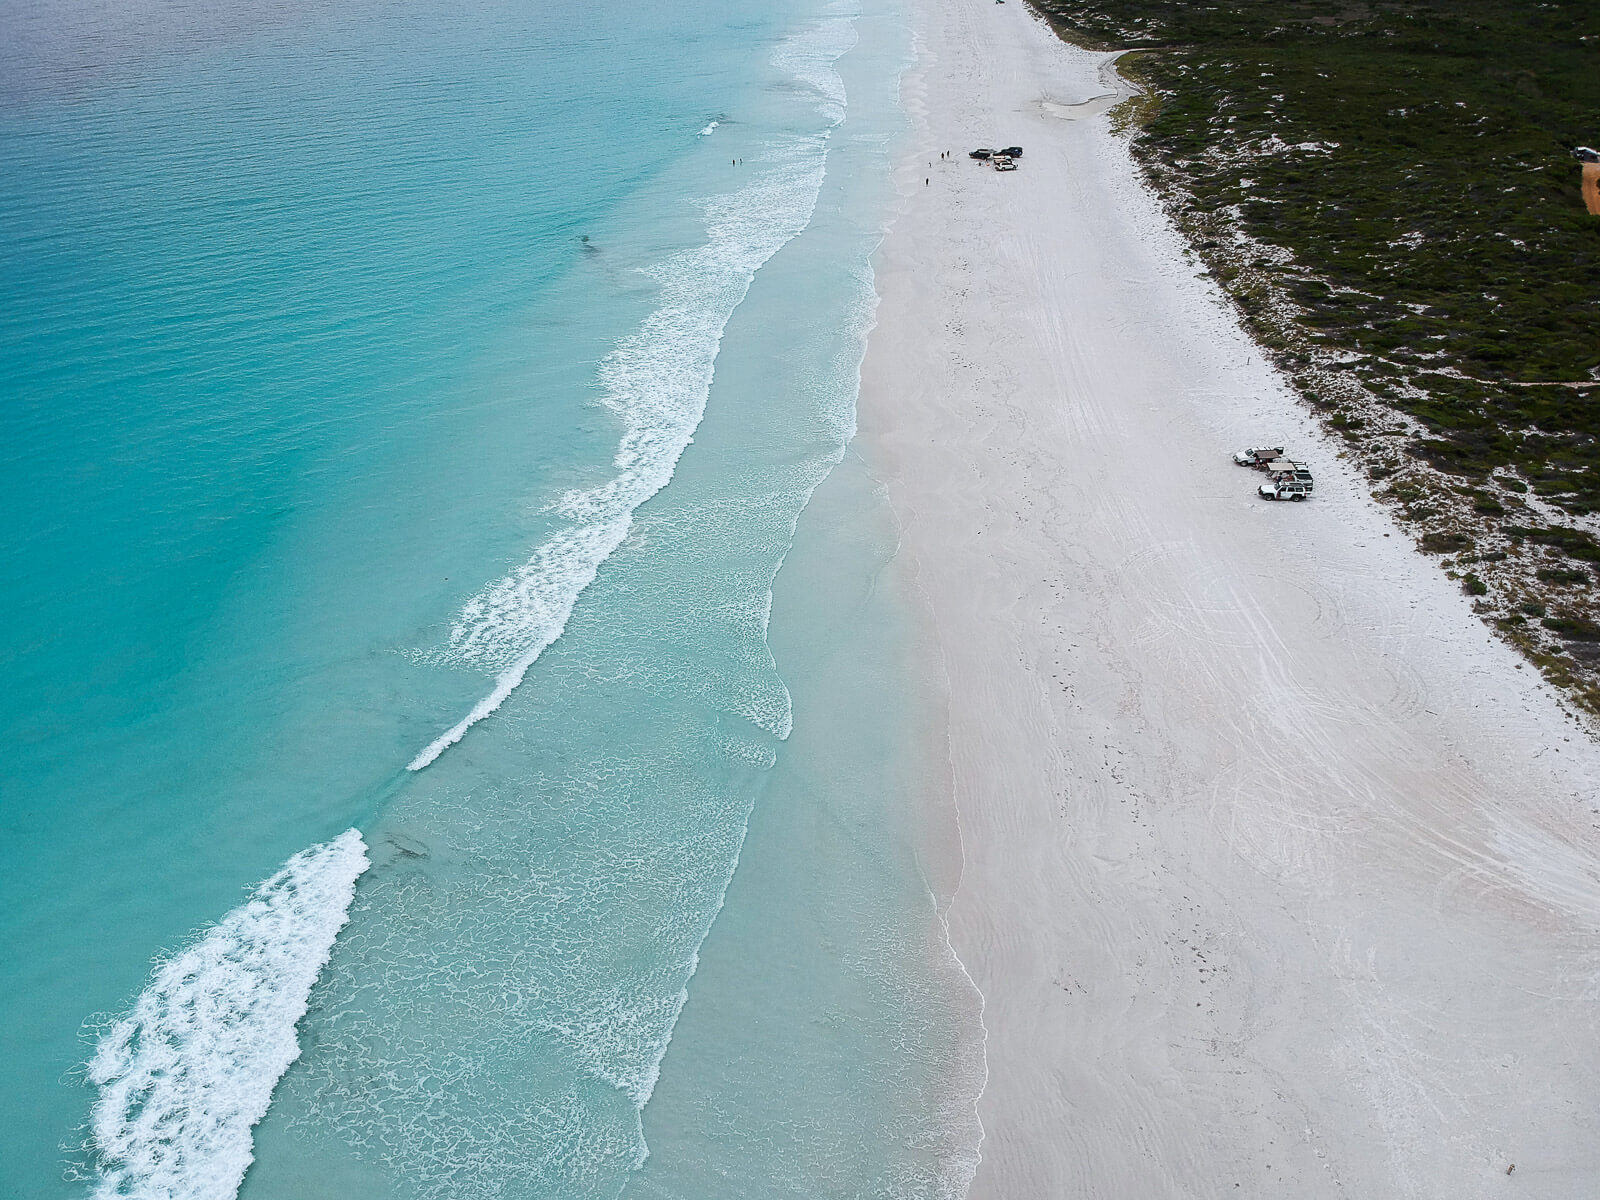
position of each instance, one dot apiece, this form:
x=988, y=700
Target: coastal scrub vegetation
x=1388, y=193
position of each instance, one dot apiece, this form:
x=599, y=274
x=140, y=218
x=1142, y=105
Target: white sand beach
x=1282, y=876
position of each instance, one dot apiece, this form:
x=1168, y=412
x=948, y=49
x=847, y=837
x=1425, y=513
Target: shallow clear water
x=369, y=364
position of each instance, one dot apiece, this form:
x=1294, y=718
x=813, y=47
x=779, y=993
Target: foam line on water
x=185, y=1076
x=656, y=381
x=810, y=57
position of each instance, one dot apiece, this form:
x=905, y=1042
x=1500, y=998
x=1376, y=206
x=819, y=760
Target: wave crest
x=656, y=381
x=185, y=1076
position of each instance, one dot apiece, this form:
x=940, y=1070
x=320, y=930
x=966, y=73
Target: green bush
x=1444, y=543
x=1575, y=629
x=1563, y=577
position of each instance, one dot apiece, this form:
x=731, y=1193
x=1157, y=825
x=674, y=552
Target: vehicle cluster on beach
x=1000, y=160
x=1286, y=478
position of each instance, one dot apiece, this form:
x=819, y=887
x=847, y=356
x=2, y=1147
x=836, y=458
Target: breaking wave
x=184, y=1077
x=656, y=381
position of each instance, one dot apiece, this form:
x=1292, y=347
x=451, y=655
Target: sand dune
x=1281, y=875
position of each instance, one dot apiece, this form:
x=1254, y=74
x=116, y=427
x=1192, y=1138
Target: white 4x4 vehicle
x=1286, y=487
x=1256, y=456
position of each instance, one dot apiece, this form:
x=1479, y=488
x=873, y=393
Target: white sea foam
x=656, y=381
x=809, y=57
x=710, y=129
x=185, y=1076
x=188, y=1073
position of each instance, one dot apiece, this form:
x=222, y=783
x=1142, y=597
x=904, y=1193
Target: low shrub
x=1444, y=543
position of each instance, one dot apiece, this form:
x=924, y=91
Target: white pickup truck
x=1257, y=456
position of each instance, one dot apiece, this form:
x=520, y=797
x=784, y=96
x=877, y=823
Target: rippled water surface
x=418, y=784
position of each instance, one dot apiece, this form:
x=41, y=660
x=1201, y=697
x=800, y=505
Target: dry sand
x=1281, y=875
x=1591, y=187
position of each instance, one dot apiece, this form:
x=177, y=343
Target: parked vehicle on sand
x=1285, y=489
x=980, y=154
x=1286, y=468
x=1011, y=151
x=1257, y=456
x=1002, y=162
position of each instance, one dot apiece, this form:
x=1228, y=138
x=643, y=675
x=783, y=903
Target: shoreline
x=1276, y=876
x=1503, y=506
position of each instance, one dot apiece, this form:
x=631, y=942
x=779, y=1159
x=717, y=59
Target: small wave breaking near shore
x=184, y=1077
x=656, y=382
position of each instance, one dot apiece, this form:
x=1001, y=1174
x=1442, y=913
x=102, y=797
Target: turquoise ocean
x=466, y=731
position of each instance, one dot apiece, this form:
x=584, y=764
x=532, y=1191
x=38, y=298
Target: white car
x=1285, y=489
x=1255, y=456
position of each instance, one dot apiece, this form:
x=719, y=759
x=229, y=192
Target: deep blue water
x=351, y=356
